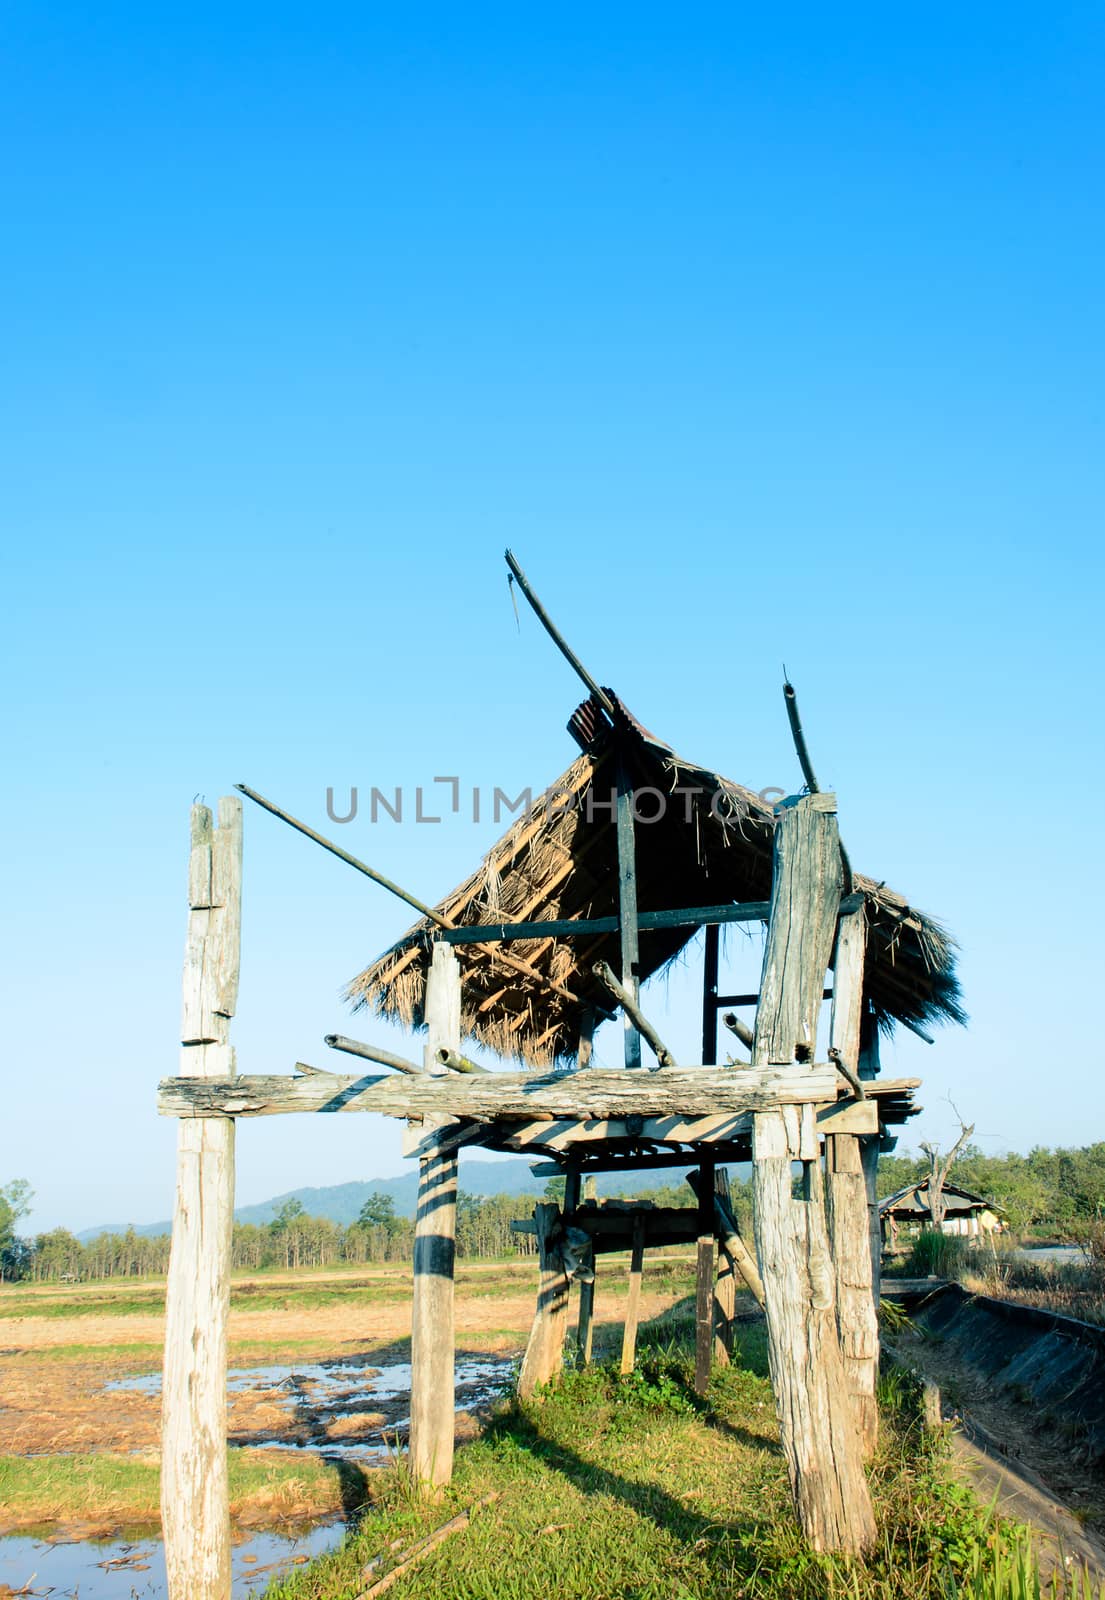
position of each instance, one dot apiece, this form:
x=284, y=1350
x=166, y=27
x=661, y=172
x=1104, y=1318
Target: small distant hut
x=966, y=1215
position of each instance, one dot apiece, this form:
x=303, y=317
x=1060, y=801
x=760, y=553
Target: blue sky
x=759, y=337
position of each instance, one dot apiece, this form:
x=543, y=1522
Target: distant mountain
x=342, y=1202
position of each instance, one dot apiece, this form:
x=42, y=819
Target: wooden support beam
x=846, y=1194
x=491, y=933
x=195, y=1493
x=678, y=1092
x=728, y=1234
x=627, y=911
x=820, y=1440
x=704, y=1288
x=586, y=1038
x=545, y=1350
x=633, y=1299
x=585, y=1329
x=709, y=994
x=725, y=1285
x=432, y=1314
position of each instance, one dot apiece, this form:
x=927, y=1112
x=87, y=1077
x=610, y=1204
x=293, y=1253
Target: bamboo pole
x=195, y=1493
x=626, y=997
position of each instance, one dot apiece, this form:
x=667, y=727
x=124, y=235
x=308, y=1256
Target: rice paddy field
x=601, y=1487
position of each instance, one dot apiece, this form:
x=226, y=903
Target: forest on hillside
x=1054, y=1193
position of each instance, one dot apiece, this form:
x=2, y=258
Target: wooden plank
x=820, y=1440
x=432, y=1315
x=846, y=1194
x=633, y=1300
x=849, y=1116
x=195, y=1495
x=796, y=955
x=677, y=1092
x=545, y=1349
x=627, y=907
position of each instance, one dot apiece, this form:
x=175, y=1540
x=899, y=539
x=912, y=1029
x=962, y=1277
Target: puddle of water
x=334, y=1388
x=135, y=1570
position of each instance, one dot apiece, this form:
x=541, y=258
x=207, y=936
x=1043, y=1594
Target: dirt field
x=318, y=1364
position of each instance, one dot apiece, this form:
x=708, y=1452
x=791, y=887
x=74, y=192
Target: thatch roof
x=711, y=846
x=913, y=1201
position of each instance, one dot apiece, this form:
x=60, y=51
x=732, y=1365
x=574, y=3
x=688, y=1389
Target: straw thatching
x=711, y=845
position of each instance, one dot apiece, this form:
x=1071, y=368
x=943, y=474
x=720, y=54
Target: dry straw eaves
x=711, y=845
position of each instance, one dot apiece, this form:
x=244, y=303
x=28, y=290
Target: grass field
x=611, y=1488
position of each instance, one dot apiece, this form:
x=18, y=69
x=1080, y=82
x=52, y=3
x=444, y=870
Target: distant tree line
x=1060, y=1192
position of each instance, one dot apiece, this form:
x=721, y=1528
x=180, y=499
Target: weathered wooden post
x=545, y=1350
x=633, y=1299
x=704, y=1284
x=433, y=1342
x=195, y=1495
x=870, y=1149
x=585, y=1330
x=725, y=1289
x=817, y=1424
x=846, y=1195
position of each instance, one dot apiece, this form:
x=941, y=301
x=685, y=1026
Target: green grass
x=634, y=1487
x=121, y=1491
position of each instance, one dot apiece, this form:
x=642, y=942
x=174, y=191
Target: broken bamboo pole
x=628, y=1002
x=371, y=1052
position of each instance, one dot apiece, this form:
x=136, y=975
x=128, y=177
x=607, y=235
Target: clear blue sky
x=760, y=336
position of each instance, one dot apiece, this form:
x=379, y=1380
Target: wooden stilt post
x=870, y=1149
x=585, y=1330
x=725, y=1288
x=817, y=1426
x=544, y=1355
x=432, y=1316
x=709, y=994
x=195, y=1495
x=627, y=904
x=704, y=1288
x=846, y=1196
x=633, y=1300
